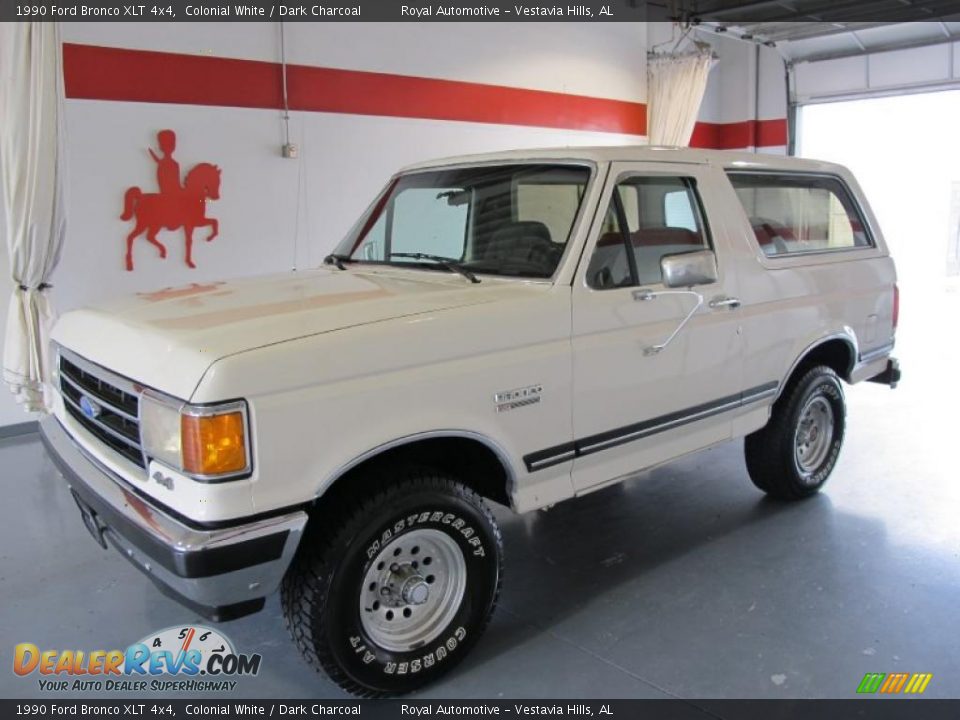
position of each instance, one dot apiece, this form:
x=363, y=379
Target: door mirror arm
x=647, y=295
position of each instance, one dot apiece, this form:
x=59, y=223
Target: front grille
x=116, y=424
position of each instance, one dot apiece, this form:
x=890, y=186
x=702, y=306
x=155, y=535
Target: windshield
x=510, y=220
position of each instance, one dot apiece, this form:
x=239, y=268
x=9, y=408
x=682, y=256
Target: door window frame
x=687, y=172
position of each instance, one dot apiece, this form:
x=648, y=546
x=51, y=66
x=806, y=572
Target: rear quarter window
x=794, y=214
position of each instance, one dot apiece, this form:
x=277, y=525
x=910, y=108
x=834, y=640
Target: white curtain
x=675, y=87
x=32, y=162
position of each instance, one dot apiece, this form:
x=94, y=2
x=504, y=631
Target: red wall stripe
x=100, y=73
x=749, y=133
x=366, y=93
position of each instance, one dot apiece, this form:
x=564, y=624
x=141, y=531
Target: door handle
x=722, y=301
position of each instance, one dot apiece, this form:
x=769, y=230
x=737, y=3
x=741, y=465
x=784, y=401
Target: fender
x=846, y=334
x=490, y=444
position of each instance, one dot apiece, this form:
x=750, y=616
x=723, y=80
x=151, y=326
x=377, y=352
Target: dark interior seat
x=526, y=243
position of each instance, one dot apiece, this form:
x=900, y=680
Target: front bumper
x=221, y=573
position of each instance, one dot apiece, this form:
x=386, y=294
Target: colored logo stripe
x=871, y=682
x=918, y=683
x=894, y=683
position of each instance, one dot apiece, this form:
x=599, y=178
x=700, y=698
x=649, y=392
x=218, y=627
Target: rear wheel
x=793, y=455
x=395, y=593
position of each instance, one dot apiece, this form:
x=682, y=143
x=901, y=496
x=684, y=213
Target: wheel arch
x=838, y=351
x=481, y=463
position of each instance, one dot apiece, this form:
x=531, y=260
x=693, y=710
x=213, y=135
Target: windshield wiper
x=338, y=260
x=444, y=262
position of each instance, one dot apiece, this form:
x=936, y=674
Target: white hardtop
x=641, y=153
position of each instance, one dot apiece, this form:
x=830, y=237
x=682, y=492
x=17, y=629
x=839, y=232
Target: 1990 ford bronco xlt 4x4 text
x=521, y=327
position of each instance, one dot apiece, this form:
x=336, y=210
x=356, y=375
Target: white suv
x=521, y=327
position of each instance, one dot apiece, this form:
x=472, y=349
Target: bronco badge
x=521, y=397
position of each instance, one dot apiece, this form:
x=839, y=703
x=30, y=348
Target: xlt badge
x=521, y=397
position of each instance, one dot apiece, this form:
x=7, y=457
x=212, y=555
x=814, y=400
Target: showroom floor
x=686, y=583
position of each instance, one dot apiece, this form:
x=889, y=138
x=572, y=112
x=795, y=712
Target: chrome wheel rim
x=412, y=590
x=814, y=435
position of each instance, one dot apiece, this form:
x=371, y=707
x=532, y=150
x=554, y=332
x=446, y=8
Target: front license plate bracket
x=91, y=521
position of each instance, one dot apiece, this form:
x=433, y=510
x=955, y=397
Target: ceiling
x=807, y=30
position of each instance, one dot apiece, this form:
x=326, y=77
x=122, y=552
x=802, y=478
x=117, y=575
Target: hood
x=167, y=339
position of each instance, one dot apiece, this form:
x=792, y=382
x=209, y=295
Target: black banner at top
x=728, y=12
x=331, y=10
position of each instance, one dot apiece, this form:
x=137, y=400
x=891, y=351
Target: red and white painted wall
x=745, y=105
x=364, y=100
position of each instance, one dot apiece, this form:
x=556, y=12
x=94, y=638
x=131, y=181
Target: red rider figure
x=168, y=169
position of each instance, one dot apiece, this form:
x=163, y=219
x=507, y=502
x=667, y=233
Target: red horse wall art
x=175, y=206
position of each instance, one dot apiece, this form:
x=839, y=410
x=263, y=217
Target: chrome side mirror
x=688, y=269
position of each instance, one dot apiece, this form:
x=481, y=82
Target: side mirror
x=687, y=269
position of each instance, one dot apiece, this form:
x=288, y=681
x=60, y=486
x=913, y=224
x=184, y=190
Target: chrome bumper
x=221, y=573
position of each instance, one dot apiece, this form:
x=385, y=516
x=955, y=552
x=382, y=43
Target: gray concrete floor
x=686, y=583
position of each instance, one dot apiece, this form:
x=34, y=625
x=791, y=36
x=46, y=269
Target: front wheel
x=394, y=595
x=793, y=455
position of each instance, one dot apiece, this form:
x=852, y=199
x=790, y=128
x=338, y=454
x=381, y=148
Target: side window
x=678, y=211
x=660, y=216
x=609, y=265
x=800, y=213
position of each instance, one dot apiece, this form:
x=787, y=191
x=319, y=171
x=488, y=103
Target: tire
x=391, y=591
x=793, y=455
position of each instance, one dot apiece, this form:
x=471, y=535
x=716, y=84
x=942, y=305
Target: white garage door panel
x=831, y=77
x=918, y=68
x=908, y=67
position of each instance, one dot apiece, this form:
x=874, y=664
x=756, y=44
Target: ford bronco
x=517, y=328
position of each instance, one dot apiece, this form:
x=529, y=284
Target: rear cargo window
x=793, y=214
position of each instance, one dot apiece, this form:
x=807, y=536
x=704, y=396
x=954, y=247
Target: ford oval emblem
x=88, y=407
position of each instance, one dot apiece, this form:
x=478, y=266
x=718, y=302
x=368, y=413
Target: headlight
x=205, y=442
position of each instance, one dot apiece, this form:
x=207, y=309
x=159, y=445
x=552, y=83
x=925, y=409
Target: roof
x=639, y=153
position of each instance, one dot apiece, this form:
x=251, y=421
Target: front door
x=656, y=370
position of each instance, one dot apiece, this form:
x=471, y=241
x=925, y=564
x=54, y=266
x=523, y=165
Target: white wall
x=276, y=213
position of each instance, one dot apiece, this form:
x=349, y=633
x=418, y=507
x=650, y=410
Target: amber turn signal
x=213, y=444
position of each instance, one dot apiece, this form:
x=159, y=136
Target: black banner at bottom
x=680, y=709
